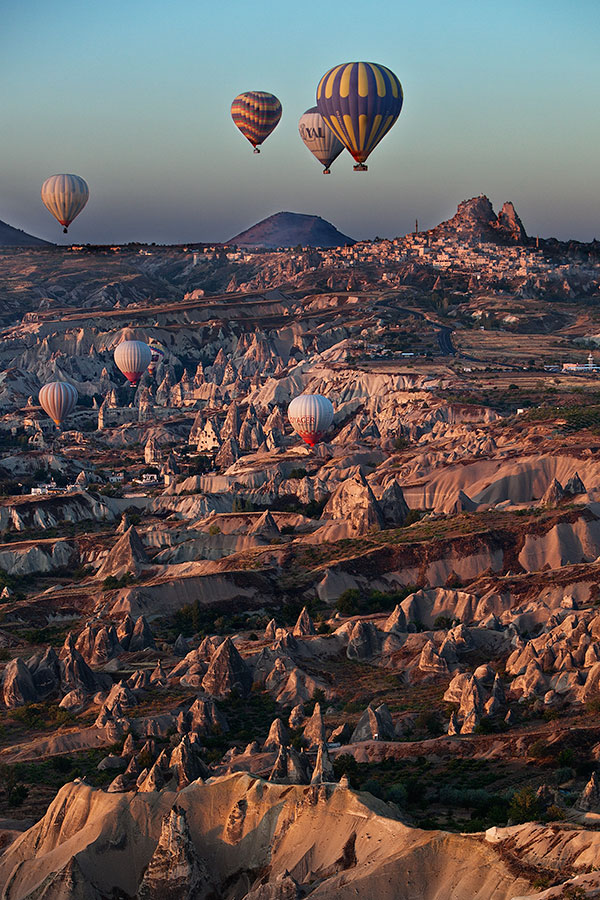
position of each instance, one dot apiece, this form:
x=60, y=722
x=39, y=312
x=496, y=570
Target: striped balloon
x=256, y=114
x=360, y=102
x=65, y=196
x=58, y=399
x=310, y=416
x=319, y=138
x=133, y=358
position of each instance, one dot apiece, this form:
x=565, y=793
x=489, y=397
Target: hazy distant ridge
x=287, y=229
x=14, y=237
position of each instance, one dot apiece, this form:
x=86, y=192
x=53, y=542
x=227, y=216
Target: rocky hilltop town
x=238, y=667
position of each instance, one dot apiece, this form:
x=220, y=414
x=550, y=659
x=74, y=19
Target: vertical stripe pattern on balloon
x=360, y=101
x=65, y=196
x=58, y=399
x=132, y=359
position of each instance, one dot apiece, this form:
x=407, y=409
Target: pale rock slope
x=333, y=842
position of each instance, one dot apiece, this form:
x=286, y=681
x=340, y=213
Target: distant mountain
x=14, y=237
x=475, y=219
x=287, y=229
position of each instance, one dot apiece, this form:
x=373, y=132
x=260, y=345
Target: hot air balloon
x=158, y=355
x=133, y=358
x=58, y=399
x=360, y=101
x=319, y=138
x=65, y=196
x=310, y=416
x=256, y=113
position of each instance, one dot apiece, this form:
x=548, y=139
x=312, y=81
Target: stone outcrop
x=290, y=767
x=277, y=736
x=574, y=486
x=227, y=672
x=304, y=625
x=554, y=493
x=127, y=556
x=175, y=871
x=354, y=503
x=284, y=887
x=589, y=799
x=17, y=685
x=364, y=641
x=374, y=725
x=393, y=506
x=186, y=764
x=314, y=730
x=323, y=770
x=98, y=643
x=142, y=637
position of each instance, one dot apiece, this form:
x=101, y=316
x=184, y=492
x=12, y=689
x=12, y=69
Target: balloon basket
x=65, y=230
x=361, y=168
x=326, y=171
x=256, y=150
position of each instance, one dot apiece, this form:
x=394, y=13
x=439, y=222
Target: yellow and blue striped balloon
x=256, y=114
x=360, y=101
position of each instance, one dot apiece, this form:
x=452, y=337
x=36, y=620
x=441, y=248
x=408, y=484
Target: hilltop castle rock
x=475, y=219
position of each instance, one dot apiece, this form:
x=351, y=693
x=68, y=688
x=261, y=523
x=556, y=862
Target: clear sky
x=501, y=98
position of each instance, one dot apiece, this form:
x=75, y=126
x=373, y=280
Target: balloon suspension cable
x=361, y=168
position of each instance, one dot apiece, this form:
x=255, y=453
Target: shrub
x=566, y=757
x=564, y=773
x=396, y=794
x=524, y=806
x=61, y=764
x=110, y=583
x=429, y=721
x=348, y=603
x=374, y=787
x=17, y=794
x=214, y=529
x=554, y=813
x=539, y=749
x=347, y=765
x=298, y=473
x=412, y=516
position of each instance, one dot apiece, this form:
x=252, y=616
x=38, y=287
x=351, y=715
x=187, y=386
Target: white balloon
x=65, y=196
x=58, y=399
x=319, y=138
x=310, y=416
x=133, y=358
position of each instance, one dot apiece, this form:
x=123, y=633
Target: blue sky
x=501, y=98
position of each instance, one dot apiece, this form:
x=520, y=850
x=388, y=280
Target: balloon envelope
x=310, y=416
x=319, y=138
x=133, y=358
x=360, y=101
x=256, y=114
x=58, y=399
x=65, y=196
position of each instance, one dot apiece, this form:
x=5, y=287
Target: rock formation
x=227, y=672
